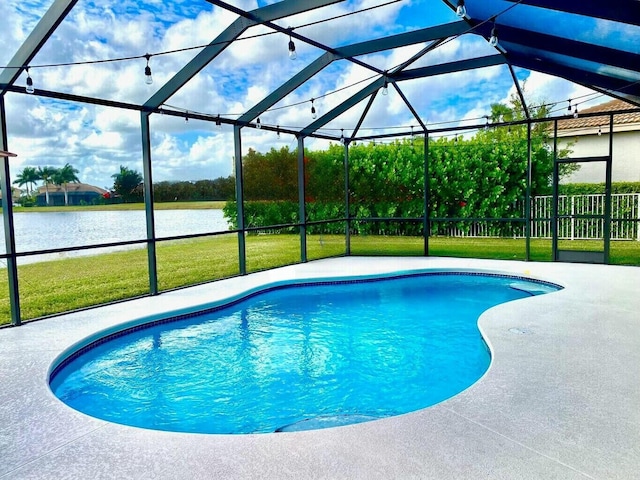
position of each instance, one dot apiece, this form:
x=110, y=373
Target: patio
x=559, y=400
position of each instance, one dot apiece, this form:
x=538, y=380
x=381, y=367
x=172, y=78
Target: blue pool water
x=295, y=358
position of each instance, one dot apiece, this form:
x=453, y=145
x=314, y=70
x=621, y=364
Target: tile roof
x=611, y=106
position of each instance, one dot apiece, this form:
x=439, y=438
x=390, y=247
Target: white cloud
x=106, y=140
x=18, y=19
x=209, y=156
x=541, y=88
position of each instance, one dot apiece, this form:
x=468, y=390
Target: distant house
x=78, y=194
x=588, y=137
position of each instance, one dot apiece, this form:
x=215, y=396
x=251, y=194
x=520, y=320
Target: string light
x=575, y=114
x=342, y=140
x=148, y=79
x=599, y=131
x=292, y=52
x=292, y=48
x=314, y=115
x=199, y=47
x=461, y=11
x=460, y=6
x=186, y=117
x=29, y=88
x=218, y=122
x=258, y=124
x=493, y=40
x=385, y=88
x=278, y=130
x=161, y=111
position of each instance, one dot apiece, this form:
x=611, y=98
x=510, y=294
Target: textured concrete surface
x=561, y=399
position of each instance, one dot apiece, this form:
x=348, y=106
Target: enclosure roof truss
x=557, y=38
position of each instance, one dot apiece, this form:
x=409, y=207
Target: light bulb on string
x=342, y=140
x=461, y=10
x=575, y=112
x=385, y=88
x=599, y=131
x=314, y=115
x=278, y=130
x=493, y=40
x=218, y=122
x=29, y=88
x=258, y=124
x=292, y=49
x=569, y=107
x=148, y=79
x=186, y=117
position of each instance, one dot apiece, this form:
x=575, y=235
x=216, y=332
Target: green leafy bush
x=598, y=188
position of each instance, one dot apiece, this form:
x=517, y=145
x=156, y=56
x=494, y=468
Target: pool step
x=326, y=421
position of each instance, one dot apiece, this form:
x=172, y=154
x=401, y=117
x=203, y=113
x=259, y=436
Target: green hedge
x=596, y=188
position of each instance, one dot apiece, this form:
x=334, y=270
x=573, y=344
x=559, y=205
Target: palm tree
x=29, y=176
x=63, y=176
x=46, y=174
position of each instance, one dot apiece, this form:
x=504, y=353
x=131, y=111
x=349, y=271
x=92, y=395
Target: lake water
x=47, y=230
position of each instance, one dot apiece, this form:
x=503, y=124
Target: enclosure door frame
x=582, y=256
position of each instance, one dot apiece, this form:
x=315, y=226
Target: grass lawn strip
x=52, y=287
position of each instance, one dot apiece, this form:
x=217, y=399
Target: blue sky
x=97, y=140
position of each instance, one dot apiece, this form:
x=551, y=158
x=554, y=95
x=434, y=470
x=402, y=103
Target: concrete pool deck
x=561, y=399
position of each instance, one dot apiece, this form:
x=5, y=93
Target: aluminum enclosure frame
x=516, y=45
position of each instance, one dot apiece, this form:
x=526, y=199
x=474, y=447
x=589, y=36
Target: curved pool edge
x=124, y=327
x=517, y=422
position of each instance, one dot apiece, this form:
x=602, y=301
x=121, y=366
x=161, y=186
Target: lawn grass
x=188, y=262
x=57, y=286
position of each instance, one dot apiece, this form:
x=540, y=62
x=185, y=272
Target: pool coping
x=558, y=401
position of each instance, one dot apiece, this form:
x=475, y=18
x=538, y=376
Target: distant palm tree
x=64, y=176
x=46, y=174
x=29, y=176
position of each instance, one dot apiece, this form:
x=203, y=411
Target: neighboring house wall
x=589, y=137
x=626, y=155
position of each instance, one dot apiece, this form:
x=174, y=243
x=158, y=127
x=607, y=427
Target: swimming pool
x=293, y=358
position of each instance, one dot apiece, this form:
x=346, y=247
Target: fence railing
x=625, y=219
